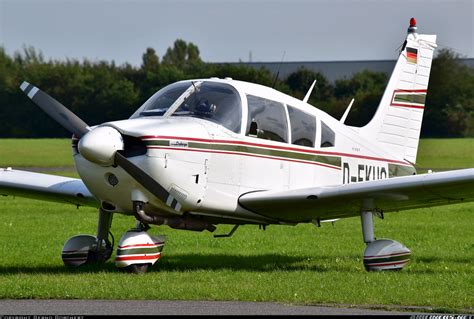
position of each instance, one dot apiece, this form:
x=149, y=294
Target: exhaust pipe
x=173, y=222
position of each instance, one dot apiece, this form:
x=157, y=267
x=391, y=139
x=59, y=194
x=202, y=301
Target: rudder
x=396, y=124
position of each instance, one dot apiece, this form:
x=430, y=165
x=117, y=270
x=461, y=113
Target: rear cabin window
x=328, y=138
x=266, y=119
x=303, y=127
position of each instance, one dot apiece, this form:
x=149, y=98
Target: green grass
x=301, y=264
x=48, y=152
x=444, y=154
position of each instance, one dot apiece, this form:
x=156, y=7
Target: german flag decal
x=412, y=55
x=409, y=98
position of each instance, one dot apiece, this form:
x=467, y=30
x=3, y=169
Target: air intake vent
x=178, y=193
x=133, y=146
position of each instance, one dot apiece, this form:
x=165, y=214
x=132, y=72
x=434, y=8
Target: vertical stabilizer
x=396, y=124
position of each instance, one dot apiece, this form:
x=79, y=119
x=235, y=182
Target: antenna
x=306, y=97
x=344, y=116
x=278, y=71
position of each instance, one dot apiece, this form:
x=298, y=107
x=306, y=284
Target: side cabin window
x=303, y=127
x=266, y=119
x=328, y=138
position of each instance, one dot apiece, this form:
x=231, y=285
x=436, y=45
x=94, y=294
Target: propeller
x=101, y=145
x=56, y=110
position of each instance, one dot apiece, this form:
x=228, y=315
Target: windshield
x=161, y=101
x=216, y=102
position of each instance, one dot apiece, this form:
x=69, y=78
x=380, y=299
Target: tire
x=137, y=268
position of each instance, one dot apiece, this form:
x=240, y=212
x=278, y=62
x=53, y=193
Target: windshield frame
x=190, y=90
x=142, y=111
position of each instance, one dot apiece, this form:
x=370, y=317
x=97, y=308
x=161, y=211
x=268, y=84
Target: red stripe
x=148, y=257
x=387, y=255
x=147, y=137
x=244, y=154
x=411, y=91
x=139, y=245
x=409, y=105
x=411, y=55
x=389, y=264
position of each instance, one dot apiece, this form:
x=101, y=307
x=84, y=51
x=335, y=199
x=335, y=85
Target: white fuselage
x=206, y=167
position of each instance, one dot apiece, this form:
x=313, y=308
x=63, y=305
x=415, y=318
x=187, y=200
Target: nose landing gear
x=137, y=251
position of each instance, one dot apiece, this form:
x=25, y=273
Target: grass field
x=301, y=264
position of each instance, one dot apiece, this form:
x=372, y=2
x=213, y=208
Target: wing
x=46, y=187
x=388, y=195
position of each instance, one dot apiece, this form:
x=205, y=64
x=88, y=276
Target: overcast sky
x=227, y=30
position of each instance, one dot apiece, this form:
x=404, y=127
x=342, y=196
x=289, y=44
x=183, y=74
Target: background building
x=333, y=70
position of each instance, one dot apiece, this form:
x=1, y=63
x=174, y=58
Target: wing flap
x=394, y=194
x=45, y=187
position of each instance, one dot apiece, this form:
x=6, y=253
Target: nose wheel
x=137, y=268
x=137, y=250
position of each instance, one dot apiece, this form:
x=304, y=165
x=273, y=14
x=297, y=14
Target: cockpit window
x=217, y=102
x=303, y=127
x=161, y=101
x=328, y=138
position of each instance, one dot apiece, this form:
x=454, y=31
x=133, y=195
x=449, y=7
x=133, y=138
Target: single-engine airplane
x=205, y=152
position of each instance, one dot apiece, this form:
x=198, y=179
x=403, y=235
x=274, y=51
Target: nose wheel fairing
x=137, y=247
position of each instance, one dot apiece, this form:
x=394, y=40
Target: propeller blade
x=149, y=183
x=56, y=110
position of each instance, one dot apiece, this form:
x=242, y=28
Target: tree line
x=102, y=91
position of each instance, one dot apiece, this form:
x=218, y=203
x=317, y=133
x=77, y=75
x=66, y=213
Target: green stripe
x=410, y=98
x=136, y=251
x=329, y=160
x=400, y=170
x=156, y=142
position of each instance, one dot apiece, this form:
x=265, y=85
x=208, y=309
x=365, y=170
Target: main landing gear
x=87, y=249
x=137, y=251
x=382, y=254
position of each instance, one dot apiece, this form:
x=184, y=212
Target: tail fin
x=397, y=123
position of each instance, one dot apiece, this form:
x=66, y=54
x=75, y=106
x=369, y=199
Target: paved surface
x=151, y=307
